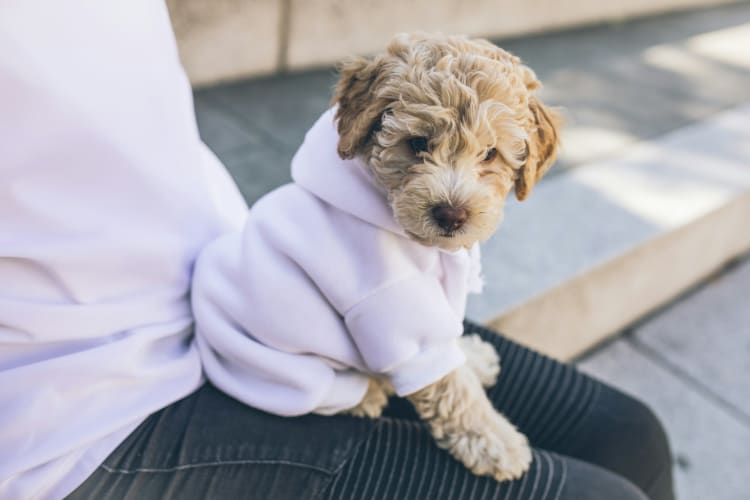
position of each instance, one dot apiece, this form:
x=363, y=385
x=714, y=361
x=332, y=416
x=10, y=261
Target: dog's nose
x=448, y=217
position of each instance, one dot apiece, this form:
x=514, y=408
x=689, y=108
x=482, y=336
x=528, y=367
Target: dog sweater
x=322, y=287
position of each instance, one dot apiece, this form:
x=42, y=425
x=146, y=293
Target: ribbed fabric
x=404, y=463
x=547, y=400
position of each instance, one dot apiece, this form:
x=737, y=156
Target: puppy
x=449, y=127
x=349, y=284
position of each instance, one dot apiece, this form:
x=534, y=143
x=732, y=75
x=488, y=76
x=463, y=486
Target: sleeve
x=408, y=332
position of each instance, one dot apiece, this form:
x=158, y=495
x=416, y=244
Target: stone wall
x=223, y=40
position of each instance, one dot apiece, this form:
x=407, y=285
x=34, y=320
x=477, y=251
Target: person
x=107, y=195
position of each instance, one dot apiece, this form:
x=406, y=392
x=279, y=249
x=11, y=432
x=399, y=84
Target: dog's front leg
x=482, y=358
x=464, y=422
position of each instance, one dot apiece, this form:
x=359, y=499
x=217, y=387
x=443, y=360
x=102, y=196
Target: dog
x=450, y=126
x=432, y=135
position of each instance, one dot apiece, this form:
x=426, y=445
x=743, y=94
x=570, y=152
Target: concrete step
x=222, y=40
x=618, y=85
x=599, y=246
x=649, y=196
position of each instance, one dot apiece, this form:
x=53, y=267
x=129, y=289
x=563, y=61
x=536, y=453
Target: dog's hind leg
x=374, y=401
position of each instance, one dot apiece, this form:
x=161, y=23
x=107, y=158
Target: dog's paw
x=494, y=448
x=482, y=358
x=463, y=421
x=374, y=401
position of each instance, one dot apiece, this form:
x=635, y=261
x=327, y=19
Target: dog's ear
x=541, y=149
x=359, y=109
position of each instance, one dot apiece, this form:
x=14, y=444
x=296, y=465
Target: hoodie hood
x=345, y=184
x=349, y=186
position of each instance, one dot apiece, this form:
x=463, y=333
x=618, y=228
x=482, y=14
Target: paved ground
x=621, y=84
x=691, y=363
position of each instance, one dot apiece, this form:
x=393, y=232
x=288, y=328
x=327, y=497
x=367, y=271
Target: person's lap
x=589, y=441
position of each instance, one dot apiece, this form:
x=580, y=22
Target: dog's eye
x=491, y=155
x=418, y=144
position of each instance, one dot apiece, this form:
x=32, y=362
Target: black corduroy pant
x=590, y=442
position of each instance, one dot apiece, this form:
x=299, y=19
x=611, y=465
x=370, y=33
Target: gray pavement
x=620, y=83
x=691, y=363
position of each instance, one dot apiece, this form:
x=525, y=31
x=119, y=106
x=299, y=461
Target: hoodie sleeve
x=408, y=332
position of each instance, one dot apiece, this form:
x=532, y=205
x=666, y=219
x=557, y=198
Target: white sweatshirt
x=106, y=196
x=322, y=287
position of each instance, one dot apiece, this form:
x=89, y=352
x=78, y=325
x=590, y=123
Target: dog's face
x=449, y=127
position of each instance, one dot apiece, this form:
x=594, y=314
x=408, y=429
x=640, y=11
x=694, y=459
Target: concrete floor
x=691, y=363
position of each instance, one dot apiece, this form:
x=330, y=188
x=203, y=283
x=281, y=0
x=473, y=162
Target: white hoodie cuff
x=347, y=390
x=427, y=367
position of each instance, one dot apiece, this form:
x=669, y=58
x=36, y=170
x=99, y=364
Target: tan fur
x=375, y=399
x=464, y=97
x=463, y=421
x=481, y=358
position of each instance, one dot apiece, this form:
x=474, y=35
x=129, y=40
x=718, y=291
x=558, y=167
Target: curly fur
x=462, y=98
x=481, y=358
x=464, y=422
x=375, y=399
